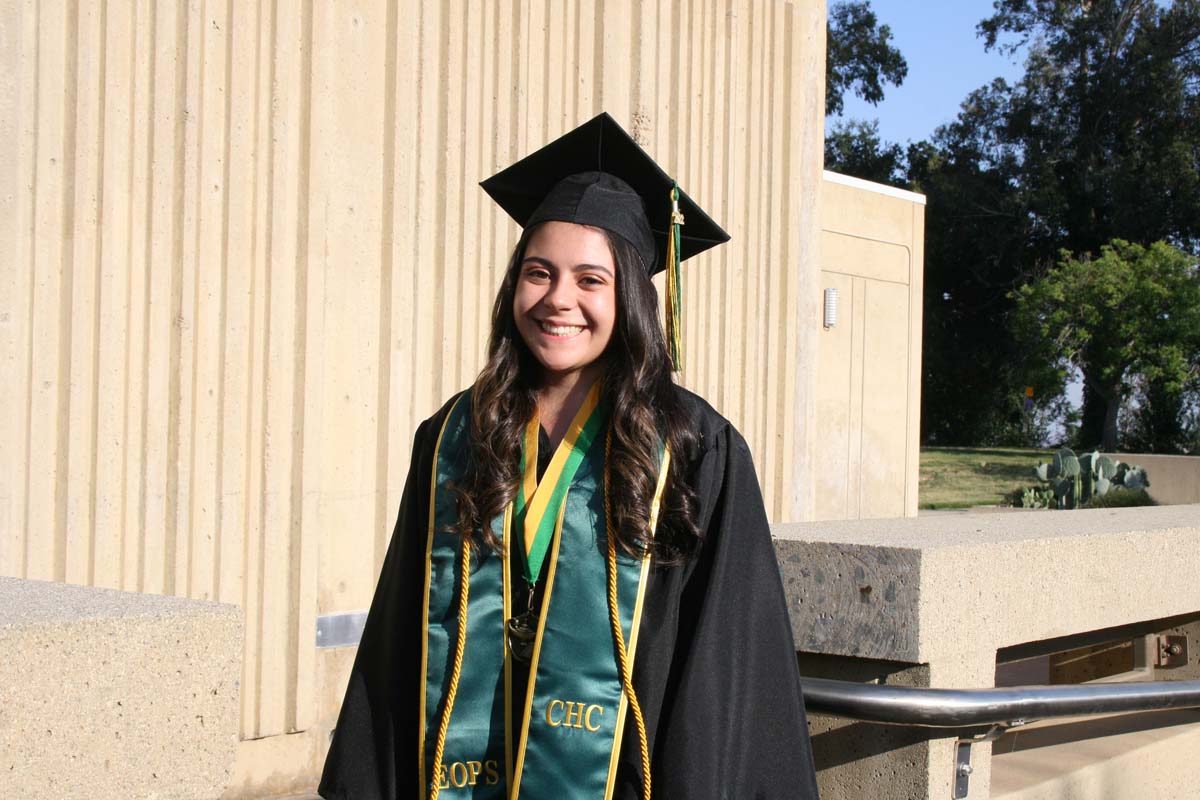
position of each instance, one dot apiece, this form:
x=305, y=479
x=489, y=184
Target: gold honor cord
x=506, y=587
x=613, y=615
x=618, y=636
x=464, y=584
x=433, y=482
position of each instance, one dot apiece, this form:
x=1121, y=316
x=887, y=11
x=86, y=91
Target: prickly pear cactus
x=1070, y=481
x=1135, y=478
x=1065, y=463
x=1033, y=497
x=1087, y=476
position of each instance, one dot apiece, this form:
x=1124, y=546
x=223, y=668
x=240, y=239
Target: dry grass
x=960, y=477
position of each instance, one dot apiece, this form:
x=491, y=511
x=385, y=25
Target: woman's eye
x=537, y=274
x=591, y=280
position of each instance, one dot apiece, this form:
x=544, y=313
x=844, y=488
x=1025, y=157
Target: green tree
x=853, y=147
x=1107, y=117
x=1161, y=419
x=1130, y=314
x=859, y=55
x=1099, y=140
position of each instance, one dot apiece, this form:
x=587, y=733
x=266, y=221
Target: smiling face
x=565, y=303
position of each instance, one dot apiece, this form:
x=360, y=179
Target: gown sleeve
x=732, y=724
x=375, y=741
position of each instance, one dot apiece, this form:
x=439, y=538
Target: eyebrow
x=577, y=268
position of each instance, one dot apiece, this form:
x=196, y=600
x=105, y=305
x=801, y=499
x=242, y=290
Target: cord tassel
x=674, y=285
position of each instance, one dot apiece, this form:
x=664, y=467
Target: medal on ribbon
x=537, y=505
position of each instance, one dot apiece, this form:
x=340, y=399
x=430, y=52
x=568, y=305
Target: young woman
x=581, y=598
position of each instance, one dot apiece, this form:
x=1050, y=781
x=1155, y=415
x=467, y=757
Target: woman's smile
x=561, y=331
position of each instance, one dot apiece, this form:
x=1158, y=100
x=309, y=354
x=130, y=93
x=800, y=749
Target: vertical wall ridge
x=171, y=522
x=128, y=258
x=253, y=726
x=31, y=311
x=753, y=168
x=770, y=281
x=252, y=515
x=415, y=400
x=223, y=322
x=442, y=322
x=386, y=269
x=190, y=321
x=147, y=266
x=66, y=266
x=296, y=548
x=97, y=298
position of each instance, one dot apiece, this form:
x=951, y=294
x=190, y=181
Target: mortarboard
x=597, y=175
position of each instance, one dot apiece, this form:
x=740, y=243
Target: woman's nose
x=560, y=294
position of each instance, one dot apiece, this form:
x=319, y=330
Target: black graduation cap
x=597, y=175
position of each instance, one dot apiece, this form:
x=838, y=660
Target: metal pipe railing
x=965, y=708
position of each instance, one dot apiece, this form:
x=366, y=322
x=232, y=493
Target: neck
x=560, y=397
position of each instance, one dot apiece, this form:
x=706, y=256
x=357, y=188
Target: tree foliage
x=1098, y=141
x=1129, y=314
x=859, y=55
x=979, y=235
x=1106, y=120
x=854, y=147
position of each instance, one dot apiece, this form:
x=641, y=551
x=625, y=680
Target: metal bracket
x=962, y=756
x=962, y=768
x=340, y=630
x=1170, y=651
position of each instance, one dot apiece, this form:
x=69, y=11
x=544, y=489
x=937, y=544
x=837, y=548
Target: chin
x=561, y=368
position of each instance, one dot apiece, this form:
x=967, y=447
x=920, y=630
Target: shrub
x=1122, y=498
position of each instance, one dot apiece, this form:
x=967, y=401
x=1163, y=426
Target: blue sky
x=946, y=61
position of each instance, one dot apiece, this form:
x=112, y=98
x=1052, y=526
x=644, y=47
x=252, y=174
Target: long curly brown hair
x=645, y=408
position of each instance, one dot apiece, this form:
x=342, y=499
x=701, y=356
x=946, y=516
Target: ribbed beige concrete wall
x=242, y=254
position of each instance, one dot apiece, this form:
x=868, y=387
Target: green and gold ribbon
x=538, y=502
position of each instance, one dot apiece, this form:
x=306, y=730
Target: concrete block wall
x=108, y=695
x=1174, y=480
x=931, y=601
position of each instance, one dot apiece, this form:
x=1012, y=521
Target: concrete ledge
x=933, y=588
x=107, y=694
x=931, y=600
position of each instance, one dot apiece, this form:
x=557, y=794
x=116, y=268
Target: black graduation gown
x=715, y=670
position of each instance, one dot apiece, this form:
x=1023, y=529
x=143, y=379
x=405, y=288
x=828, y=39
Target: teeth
x=561, y=330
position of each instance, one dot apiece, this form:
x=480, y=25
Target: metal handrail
x=964, y=708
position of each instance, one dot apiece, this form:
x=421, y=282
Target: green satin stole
x=568, y=735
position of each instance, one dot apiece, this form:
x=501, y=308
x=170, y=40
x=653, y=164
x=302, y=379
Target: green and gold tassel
x=674, y=285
